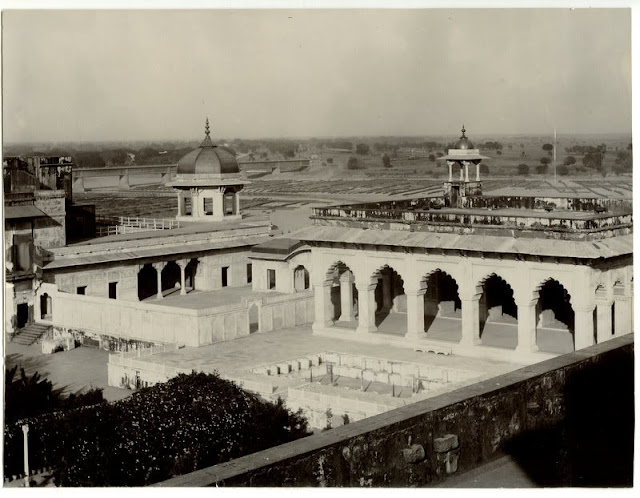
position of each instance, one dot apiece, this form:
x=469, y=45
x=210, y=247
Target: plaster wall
x=285, y=282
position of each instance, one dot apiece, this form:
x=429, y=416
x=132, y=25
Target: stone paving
x=71, y=371
x=259, y=349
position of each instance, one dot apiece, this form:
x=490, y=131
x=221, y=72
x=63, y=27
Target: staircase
x=30, y=334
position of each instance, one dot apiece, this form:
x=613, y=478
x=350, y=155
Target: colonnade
x=605, y=315
x=159, y=267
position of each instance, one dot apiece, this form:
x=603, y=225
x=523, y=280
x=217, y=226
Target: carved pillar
x=415, y=314
x=604, y=318
x=182, y=263
x=527, y=336
x=623, y=308
x=450, y=164
x=461, y=173
x=366, y=307
x=471, y=321
x=180, y=202
x=583, y=330
x=322, y=303
x=237, y=200
x=158, y=267
x=346, y=296
x=478, y=172
x=466, y=171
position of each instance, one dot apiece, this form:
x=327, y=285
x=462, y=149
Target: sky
x=156, y=75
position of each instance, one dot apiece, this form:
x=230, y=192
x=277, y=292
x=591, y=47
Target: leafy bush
x=523, y=169
x=191, y=421
x=562, y=170
x=353, y=163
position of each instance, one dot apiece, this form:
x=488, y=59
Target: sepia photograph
x=298, y=245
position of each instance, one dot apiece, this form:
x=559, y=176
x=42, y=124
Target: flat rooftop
x=197, y=300
x=186, y=229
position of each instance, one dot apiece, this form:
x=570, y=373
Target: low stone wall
x=287, y=310
x=567, y=421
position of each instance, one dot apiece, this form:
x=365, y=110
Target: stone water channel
x=337, y=388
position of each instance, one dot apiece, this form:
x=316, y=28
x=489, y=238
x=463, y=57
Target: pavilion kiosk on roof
x=208, y=183
x=462, y=156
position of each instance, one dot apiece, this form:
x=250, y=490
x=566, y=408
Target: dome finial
x=206, y=127
x=463, y=130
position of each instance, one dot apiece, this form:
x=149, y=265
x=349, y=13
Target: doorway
x=22, y=311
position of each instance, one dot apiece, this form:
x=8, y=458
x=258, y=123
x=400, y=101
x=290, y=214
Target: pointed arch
x=498, y=312
x=441, y=305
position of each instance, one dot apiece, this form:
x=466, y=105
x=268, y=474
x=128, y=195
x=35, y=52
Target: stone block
x=369, y=375
x=450, y=461
x=413, y=454
x=445, y=443
x=382, y=377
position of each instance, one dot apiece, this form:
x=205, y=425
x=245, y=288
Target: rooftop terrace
x=571, y=218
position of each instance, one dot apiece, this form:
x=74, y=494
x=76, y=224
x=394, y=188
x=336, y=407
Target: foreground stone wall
x=566, y=421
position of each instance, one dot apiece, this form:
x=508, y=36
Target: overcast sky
x=138, y=75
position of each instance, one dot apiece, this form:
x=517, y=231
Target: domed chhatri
x=208, y=183
x=463, y=143
x=208, y=159
x=460, y=158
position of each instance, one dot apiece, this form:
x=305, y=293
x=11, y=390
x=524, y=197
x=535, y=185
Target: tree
x=330, y=160
x=432, y=158
x=386, y=161
x=569, y=160
x=289, y=153
x=499, y=152
x=541, y=169
x=353, y=163
x=548, y=148
x=592, y=160
x=362, y=149
x=523, y=169
x=562, y=170
x=545, y=160
x=189, y=422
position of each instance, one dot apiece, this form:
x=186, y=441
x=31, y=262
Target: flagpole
x=555, y=138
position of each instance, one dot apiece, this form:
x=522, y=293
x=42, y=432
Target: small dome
x=464, y=142
x=208, y=159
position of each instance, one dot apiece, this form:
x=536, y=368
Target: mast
x=555, y=139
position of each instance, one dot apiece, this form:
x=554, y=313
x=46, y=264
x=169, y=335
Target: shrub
x=191, y=421
x=330, y=160
x=541, y=169
x=523, y=169
x=386, y=161
x=562, y=170
x=569, y=160
x=353, y=163
x=432, y=158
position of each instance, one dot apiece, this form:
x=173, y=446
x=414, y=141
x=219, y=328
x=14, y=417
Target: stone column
x=478, y=172
x=471, y=321
x=415, y=314
x=603, y=319
x=195, y=208
x=322, y=304
x=527, y=335
x=366, y=307
x=346, y=296
x=623, y=308
x=237, y=203
x=466, y=171
x=461, y=173
x=450, y=164
x=182, y=263
x=180, y=202
x=387, y=282
x=159, y=267
x=583, y=331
